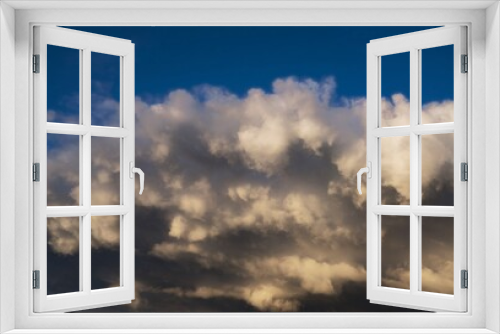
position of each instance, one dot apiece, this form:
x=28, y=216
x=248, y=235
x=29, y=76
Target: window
x=482, y=102
x=97, y=218
x=421, y=131
x=82, y=130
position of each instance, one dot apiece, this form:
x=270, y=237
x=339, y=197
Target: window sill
x=251, y=331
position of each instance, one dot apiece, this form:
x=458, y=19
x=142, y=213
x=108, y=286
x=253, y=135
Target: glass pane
x=63, y=85
x=105, y=72
x=63, y=170
x=395, y=170
x=396, y=252
x=395, y=81
x=437, y=254
x=437, y=84
x=437, y=169
x=105, y=171
x=63, y=255
x=105, y=252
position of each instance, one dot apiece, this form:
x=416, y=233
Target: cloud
x=105, y=231
x=396, y=277
x=259, y=128
x=268, y=293
x=251, y=201
x=63, y=170
x=171, y=250
x=64, y=234
x=313, y=276
x=270, y=298
x=264, y=297
x=182, y=229
x=439, y=278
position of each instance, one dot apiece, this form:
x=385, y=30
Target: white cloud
x=172, y=251
x=105, y=231
x=438, y=278
x=64, y=234
x=270, y=298
x=180, y=228
x=218, y=164
x=314, y=276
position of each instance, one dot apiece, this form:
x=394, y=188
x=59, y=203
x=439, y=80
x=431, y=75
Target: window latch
x=368, y=171
x=139, y=171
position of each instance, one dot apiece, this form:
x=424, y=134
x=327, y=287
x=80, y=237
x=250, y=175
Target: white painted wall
x=492, y=165
x=487, y=102
x=7, y=163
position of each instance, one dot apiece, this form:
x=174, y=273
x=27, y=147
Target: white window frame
x=482, y=19
x=414, y=43
x=86, y=44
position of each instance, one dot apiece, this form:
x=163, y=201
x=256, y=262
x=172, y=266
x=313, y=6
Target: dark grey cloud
x=250, y=202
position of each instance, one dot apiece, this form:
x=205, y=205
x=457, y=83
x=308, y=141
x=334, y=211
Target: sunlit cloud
x=255, y=196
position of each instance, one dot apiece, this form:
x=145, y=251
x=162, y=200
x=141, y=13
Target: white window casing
x=482, y=312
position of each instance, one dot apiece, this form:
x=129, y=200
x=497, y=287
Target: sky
x=250, y=138
x=240, y=58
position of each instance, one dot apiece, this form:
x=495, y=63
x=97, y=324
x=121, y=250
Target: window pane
x=437, y=169
x=437, y=84
x=396, y=252
x=105, y=89
x=63, y=255
x=105, y=171
x=395, y=82
x=63, y=84
x=63, y=170
x=395, y=170
x=437, y=254
x=105, y=252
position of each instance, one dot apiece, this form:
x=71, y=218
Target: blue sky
x=240, y=58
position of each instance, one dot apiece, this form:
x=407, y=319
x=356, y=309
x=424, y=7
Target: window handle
x=141, y=175
x=368, y=171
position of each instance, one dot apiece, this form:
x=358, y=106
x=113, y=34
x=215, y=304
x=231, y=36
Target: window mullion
x=80, y=179
x=86, y=166
x=414, y=170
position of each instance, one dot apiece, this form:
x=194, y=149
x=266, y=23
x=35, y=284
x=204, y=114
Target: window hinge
x=36, y=279
x=36, y=63
x=465, y=64
x=464, y=279
x=464, y=173
x=36, y=172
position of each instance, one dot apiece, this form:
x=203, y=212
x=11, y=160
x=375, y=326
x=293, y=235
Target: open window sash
x=415, y=297
x=86, y=43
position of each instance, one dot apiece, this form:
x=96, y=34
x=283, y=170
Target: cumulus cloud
x=313, y=276
x=264, y=296
x=439, y=278
x=63, y=170
x=105, y=231
x=251, y=200
x=270, y=298
x=63, y=234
